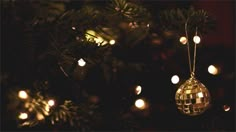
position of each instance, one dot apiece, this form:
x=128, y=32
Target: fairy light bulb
x=196, y=39
x=183, y=40
x=175, y=79
x=212, y=70
x=51, y=102
x=226, y=108
x=138, y=89
x=73, y=28
x=23, y=116
x=81, y=62
x=140, y=104
x=22, y=94
x=112, y=42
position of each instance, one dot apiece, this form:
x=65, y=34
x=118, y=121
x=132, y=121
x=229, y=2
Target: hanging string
x=189, y=57
x=191, y=67
x=194, y=54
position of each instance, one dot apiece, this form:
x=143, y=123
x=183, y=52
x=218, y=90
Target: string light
x=226, y=108
x=183, y=40
x=81, y=62
x=138, y=89
x=51, y=102
x=175, y=79
x=212, y=70
x=73, y=28
x=112, y=42
x=140, y=104
x=23, y=116
x=196, y=39
x=22, y=94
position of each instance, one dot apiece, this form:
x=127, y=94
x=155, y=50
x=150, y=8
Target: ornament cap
x=192, y=75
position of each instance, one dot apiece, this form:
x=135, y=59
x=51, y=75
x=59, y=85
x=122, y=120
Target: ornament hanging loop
x=191, y=67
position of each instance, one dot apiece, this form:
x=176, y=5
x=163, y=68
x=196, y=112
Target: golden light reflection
x=40, y=116
x=91, y=35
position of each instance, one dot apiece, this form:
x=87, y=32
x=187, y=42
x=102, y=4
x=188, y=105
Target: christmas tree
x=111, y=65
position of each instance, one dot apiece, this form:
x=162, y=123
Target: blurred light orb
x=138, y=89
x=40, y=116
x=213, y=70
x=192, y=97
x=81, y=62
x=23, y=116
x=196, y=39
x=73, y=28
x=175, y=79
x=140, y=104
x=226, y=108
x=183, y=40
x=112, y=42
x=51, y=102
x=22, y=94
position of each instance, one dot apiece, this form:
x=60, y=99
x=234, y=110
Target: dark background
x=218, y=47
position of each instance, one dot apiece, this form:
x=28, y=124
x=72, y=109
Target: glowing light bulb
x=183, y=40
x=51, y=102
x=226, y=108
x=81, y=62
x=175, y=79
x=212, y=70
x=73, y=28
x=196, y=39
x=140, y=104
x=112, y=42
x=23, y=116
x=138, y=89
x=22, y=94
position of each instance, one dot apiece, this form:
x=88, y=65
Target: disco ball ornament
x=192, y=97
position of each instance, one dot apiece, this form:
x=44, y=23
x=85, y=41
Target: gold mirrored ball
x=192, y=97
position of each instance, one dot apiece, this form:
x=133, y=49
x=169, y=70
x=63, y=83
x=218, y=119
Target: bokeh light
x=183, y=40
x=22, y=94
x=140, y=104
x=138, y=89
x=23, y=116
x=226, y=108
x=81, y=62
x=112, y=42
x=175, y=79
x=51, y=102
x=213, y=70
x=196, y=39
